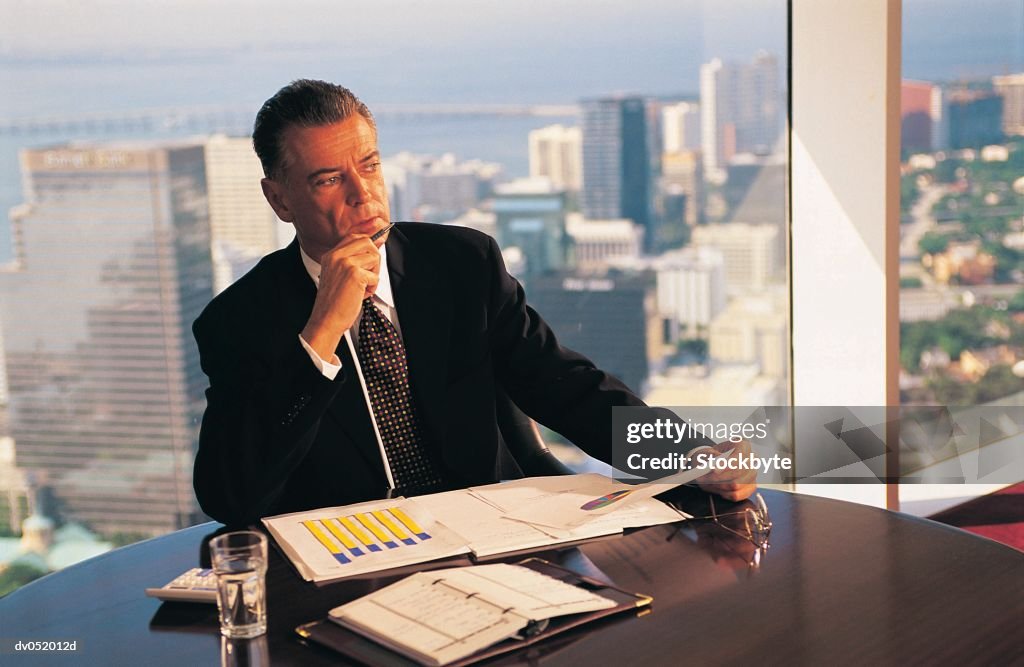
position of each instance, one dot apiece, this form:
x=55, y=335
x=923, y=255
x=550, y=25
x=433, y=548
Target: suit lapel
x=348, y=411
x=424, y=305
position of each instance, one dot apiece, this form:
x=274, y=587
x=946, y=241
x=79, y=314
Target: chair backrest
x=524, y=441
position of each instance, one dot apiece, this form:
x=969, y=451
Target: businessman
x=364, y=360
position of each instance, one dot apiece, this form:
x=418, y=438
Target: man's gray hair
x=302, y=103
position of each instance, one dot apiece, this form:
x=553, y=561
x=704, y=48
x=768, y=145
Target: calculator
x=195, y=585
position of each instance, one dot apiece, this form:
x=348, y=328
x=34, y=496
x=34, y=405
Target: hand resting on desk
x=734, y=485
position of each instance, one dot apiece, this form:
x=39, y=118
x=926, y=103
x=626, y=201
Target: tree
x=17, y=575
x=1016, y=304
x=911, y=282
x=998, y=382
x=932, y=243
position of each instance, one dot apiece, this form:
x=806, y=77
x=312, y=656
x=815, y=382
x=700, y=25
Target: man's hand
x=348, y=274
x=734, y=485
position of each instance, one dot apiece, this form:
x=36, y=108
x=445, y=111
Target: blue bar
x=423, y=536
x=342, y=558
x=409, y=541
x=373, y=547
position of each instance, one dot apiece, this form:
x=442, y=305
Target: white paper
x=582, y=499
x=376, y=538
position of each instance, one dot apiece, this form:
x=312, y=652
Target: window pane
x=629, y=158
x=962, y=205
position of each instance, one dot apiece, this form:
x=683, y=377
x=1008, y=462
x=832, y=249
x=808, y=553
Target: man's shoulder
x=448, y=238
x=254, y=287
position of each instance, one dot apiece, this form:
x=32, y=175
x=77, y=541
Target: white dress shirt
x=383, y=299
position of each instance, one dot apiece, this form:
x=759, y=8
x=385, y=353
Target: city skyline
x=712, y=319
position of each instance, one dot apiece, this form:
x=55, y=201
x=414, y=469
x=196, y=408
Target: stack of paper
x=530, y=513
x=344, y=541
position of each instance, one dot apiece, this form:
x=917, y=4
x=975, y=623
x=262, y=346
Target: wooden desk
x=840, y=584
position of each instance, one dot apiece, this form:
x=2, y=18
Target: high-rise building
x=752, y=330
x=597, y=242
x=751, y=253
x=530, y=215
x=680, y=123
x=431, y=189
x=975, y=118
x=556, y=153
x=112, y=266
x=916, y=131
x=940, y=119
x=621, y=160
x=1011, y=88
x=682, y=173
x=243, y=227
x=614, y=321
x=690, y=288
x=741, y=111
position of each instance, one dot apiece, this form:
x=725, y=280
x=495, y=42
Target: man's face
x=332, y=186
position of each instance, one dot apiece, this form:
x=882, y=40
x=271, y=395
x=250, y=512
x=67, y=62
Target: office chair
x=529, y=453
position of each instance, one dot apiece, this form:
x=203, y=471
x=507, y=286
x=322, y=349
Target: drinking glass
x=239, y=560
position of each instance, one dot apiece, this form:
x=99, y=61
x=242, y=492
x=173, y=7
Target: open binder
x=378, y=648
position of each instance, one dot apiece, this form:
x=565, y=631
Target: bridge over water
x=239, y=118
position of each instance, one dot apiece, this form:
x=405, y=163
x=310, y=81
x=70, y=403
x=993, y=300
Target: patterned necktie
x=382, y=356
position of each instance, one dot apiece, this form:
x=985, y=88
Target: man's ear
x=274, y=193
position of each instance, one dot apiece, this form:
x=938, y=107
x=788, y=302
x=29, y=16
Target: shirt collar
x=383, y=292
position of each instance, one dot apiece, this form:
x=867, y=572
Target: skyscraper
x=751, y=253
x=432, y=189
x=682, y=175
x=620, y=160
x=112, y=266
x=614, y=321
x=556, y=153
x=916, y=130
x=530, y=215
x=975, y=118
x=596, y=242
x=680, y=124
x=1011, y=88
x=741, y=111
x=242, y=224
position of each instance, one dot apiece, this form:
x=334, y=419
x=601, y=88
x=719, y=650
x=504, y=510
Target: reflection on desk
x=840, y=584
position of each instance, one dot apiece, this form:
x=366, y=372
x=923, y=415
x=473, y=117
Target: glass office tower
x=620, y=161
x=112, y=265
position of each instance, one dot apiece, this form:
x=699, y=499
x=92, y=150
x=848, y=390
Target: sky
x=542, y=51
x=375, y=25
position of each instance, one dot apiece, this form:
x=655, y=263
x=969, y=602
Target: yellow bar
x=356, y=530
x=391, y=525
x=405, y=519
x=380, y=534
x=319, y=535
x=342, y=537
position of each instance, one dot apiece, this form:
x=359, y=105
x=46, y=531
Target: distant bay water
x=56, y=89
x=943, y=40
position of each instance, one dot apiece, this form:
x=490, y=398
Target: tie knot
x=368, y=302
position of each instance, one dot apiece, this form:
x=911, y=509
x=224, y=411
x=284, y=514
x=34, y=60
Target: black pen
x=382, y=232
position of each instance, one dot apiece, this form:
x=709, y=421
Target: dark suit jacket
x=278, y=437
